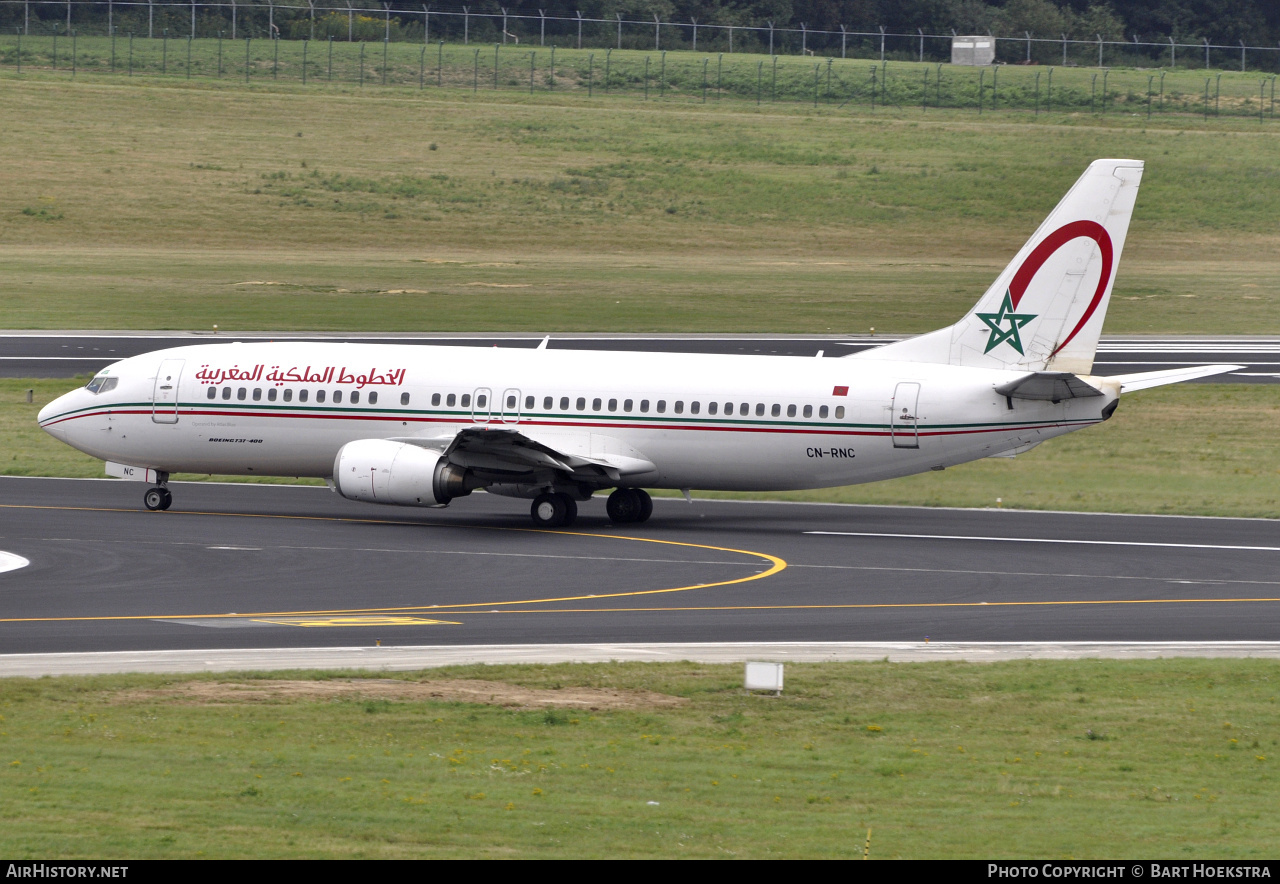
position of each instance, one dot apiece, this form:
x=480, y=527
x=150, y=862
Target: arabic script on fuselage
x=327, y=374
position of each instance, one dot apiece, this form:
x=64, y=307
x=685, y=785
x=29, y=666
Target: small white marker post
x=763, y=677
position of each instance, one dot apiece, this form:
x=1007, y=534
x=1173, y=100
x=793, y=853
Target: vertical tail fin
x=1045, y=310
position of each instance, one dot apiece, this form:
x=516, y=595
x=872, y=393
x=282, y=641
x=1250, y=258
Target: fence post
x=804, y=38
x=619, y=15
x=881, y=43
x=68, y=16
x=695, y=33
x=1242, y=56
x=193, y=19
x=386, y=13
x=426, y=28
x=731, y=39
x=26, y=17
x=542, y=33
x=844, y=37
x=1099, y=50
x=151, y=19
x=1206, y=53
x=272, y=31
x=657, y=33
x=1162, y=73
x=1173, y=53
x=1028, y=33
x=771, y=38
x=466, y=26
x=351, y=23
x=111, y=18
x=311, y=4
x=1064, y=50
x=233, y=20
x=579, y=13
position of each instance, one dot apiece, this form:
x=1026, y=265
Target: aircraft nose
x=49, y=413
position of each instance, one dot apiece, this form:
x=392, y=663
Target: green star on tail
x=994, y=322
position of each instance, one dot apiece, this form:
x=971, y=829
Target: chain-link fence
x=423, y=23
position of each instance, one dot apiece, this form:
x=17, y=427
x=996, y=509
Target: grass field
x=1101, y=759
x=1196, y=449
x=162, y=203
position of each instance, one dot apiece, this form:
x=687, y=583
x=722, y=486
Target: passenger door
x=164, y=397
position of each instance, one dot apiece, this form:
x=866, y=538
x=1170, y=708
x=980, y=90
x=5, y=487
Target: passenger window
x=465, y=402
x=302, y=395
x=355, y=396
x=404, y=399
x=257, y=394
x=564, y=403
x=662, y=406
x=776, y=411
x=319, y=395
x=791, y=411
x=712, y=407
x=822, y=411
x=759, y=409
x=694, y=407
x=613, y=404
x=511, y=401
x=644, y=406
x=271, y=394
x=547, y=402
x=679, y=406
x=626, y=405
x=808, y=411
x=241, y=393
x=582, y=403
x=213, y=393
x=451, y=400
x=482, y=401
x=839, y=412
x=528, y=402
x=435, y=398
x=596, y=404
x=337, y=396
x=373, y=398
x=728, y=408
x=288, y=395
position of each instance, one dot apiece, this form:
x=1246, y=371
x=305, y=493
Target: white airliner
x=416, y=425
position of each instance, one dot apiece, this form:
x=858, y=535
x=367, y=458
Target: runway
x=254, y=567
x=66, y=354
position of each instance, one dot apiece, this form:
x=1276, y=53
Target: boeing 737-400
x=417, y=425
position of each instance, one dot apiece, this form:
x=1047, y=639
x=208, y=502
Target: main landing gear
x=158, y=498
x=629, y=505
x=552, y=510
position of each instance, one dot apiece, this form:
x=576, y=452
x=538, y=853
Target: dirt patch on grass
x=489, y=693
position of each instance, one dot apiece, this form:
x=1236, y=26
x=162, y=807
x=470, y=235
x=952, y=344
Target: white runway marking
x=11, y=562
x=1047, y=540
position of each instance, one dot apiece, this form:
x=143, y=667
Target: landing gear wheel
x=570, y=510
x=157, y=499
x=646, y=505
x=629, y=505
x=549, y=510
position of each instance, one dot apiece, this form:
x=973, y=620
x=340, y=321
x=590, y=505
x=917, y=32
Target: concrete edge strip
x=432, y=656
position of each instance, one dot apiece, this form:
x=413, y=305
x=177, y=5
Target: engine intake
x=380, y=471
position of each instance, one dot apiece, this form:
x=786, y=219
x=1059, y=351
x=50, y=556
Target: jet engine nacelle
x=380, y=471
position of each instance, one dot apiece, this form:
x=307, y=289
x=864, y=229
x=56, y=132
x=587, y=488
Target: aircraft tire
x=156, y=499
x=623, y=506
x=168, y=499
x=570, y=510
x=548, y=510
x=646, y=505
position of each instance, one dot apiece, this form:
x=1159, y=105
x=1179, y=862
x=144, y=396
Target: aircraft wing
x=518, y=453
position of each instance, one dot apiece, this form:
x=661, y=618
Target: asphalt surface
x=242, y=566
x=59, y=354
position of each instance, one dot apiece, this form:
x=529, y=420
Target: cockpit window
x=101, y=384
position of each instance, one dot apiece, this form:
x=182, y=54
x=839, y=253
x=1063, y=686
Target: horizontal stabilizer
x=1050, y=386
x=1145, y=379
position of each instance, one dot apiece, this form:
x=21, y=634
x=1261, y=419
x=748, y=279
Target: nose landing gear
x=629, y=505
x=158, y=498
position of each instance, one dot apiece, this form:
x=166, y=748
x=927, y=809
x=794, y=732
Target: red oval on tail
x=1050, y=244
